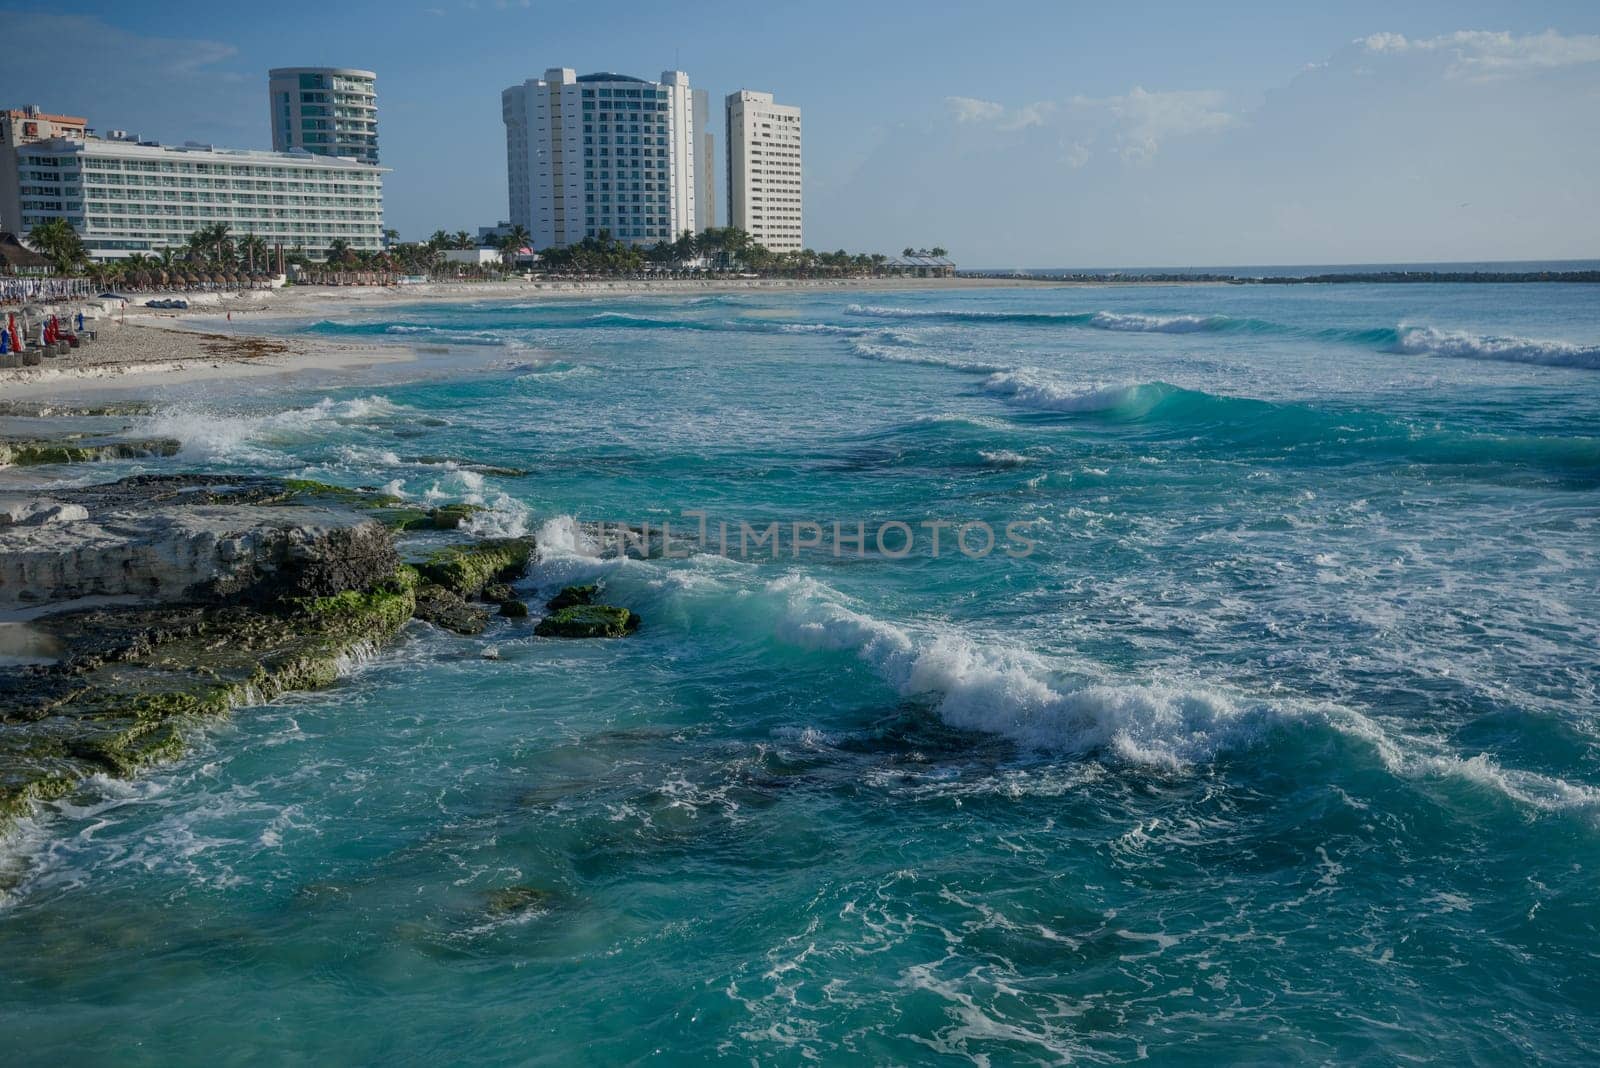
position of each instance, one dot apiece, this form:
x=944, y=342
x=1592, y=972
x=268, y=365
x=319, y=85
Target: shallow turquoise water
x=1281, y=745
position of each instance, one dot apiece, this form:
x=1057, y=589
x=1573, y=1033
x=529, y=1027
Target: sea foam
x=1041, y=391
x=998, y=689
x=1428, y=341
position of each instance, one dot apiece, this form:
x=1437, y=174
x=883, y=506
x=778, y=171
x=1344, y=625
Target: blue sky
x=1060, y=133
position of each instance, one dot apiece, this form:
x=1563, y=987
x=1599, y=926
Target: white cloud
x=1385, y=42
x=1076, y=154
x=971, y=109
x=1035, y=114
x=1139, y=120
x=1490, y=54
x=1143, y=120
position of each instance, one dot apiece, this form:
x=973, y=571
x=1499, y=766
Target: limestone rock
x=203, y=552
x=446, y=608
x=26, y=511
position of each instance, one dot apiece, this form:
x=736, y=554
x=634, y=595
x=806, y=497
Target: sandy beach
x=136, y=347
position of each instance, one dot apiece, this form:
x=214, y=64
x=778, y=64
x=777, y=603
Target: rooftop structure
x=329, y=111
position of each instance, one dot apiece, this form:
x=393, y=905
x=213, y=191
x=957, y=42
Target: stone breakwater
x=134, y=610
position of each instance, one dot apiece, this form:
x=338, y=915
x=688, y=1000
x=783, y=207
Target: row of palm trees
x=725, y=248
x=216, y=255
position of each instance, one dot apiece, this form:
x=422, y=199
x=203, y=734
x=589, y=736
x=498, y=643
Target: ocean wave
x=888, y=353
x=1013, y=693
x=822, y=328
x=239, y=438
x=443, y=333
x=999, y=689
x=1040, y=391
x=1003, y=458
x=1127, y=322
x=1429, y=341
x=409, y=330
x=1164, y=324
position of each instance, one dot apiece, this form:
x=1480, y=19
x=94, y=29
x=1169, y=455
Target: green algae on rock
x=588, y=621
x=573, y=595
x=466, y=569
x=510, y=899
x=144, y=675
x=82, y=450
x=267, y=585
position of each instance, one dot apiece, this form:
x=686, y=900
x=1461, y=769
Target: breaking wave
x=1428, y=341
x=1038, y=390
x=247, y=438
x=1098, y=320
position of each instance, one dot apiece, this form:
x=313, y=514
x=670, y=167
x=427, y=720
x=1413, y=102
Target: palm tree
x=340, y=253
x=254, y=251
x=515, y=238
x=219, y=243
x=462, y=240
x=57, y=239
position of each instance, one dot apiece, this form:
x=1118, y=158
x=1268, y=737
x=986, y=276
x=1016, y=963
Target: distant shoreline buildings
x=764, y=174
x=612, y=154
x=586, y=155
x=594, y=153
x=124, y=196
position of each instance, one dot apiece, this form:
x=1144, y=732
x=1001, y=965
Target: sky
x=1037, y=134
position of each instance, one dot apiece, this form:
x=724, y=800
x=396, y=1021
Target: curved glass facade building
x=329, y=111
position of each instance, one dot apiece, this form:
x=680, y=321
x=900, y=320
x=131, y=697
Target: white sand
x=138, y=347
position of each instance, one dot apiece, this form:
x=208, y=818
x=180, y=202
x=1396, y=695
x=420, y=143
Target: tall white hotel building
x=764, y=192
x=601, y=152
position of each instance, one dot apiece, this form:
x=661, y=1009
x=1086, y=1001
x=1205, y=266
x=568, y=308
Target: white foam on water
x=223, y=437
x=994, y=687
x=1000, y=689
x=889, y=353
x=1428, y=341
x=504, y=517
x=1041, y=391
x=1157, y=324
x=1419, y=759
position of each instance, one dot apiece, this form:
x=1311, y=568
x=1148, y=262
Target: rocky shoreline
x=133, y=611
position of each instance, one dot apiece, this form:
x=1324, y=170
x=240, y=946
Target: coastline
x=139, y=347
x=147, y=351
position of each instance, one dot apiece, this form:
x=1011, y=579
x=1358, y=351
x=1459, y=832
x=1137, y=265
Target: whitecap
x=1428, y=341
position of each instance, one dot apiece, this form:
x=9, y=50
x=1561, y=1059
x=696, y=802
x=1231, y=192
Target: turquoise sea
x=1282, y=745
